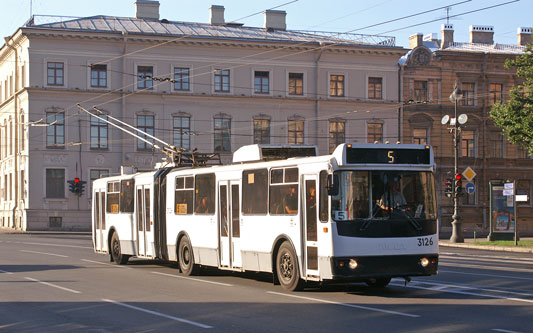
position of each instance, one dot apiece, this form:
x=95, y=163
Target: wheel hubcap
x=286, y=266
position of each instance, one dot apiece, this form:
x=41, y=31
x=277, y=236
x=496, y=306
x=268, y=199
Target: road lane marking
x=104, y=263
x=455, y=255
x=6, y=272
x=59, y=245
x=346, y=304
x=489, y=275
x=193, y=279
x=505, y=261
x=504, y=331
x=415, y=285
x=158, y=314
x=50, y=254
x=485, y=267
x=484, y=288
x=53, y=285
x=445, y=285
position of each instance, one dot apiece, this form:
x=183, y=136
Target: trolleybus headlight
x=424, y=262
x=353, y=264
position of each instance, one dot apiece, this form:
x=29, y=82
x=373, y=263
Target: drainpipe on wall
x=484, y=106
x=317, y=102
x=123, y=94
x=400, y=99
x=15, y=136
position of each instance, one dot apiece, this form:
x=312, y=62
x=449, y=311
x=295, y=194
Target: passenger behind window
x=203, y=207
x=290, y=202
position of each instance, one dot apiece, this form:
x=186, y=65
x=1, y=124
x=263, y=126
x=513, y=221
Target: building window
x=55, y=183
x=144, y=77
x=222, y=80
x=296, y=84
x=336, y=134
x=296, y=132
x=523, y=152
x=336, y=85
x=469, y=97
x=181, y=128
x=496, y=144
x=374, y=132
x=11, y=138
x=468, y=146
x=523, y=187
x=262, y=130
x=420, y=136
x=222, y=134
x=95, y=174
x=375, y=88
x=495, y=93
x=56, y=73
x=146, y=124
x=99, y=132
x=421, y=91
x=261, y=82
x=98, y=76
x=181, y=79
x=55, y=131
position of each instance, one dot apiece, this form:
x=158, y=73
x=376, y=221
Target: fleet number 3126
x=425, y=241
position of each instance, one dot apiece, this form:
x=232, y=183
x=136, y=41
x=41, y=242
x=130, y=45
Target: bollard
x=474, y=236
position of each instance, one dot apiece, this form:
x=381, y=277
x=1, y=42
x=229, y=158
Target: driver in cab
x=393, y=197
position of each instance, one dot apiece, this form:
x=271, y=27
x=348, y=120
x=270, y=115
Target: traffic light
x=458, y=186
x=448, y=187
x=77, y=186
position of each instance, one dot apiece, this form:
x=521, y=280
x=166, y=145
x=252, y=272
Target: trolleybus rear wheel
x=185, y=256
x=379, y=282
x=287, y=268
x=116, y=253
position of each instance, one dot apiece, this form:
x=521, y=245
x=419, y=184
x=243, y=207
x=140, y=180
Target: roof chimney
x=147, y=9
x=216, y=15
x=524, y=35
x=482, y=34
x=446, y=31
x=275, y=19
x=415, y=40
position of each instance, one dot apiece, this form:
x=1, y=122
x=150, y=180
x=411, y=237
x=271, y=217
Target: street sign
x=470, y=188
x=469, y=174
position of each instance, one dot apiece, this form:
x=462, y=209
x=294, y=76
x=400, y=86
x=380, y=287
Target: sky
x=316, y=15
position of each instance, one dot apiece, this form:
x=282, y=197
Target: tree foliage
x=516, y=116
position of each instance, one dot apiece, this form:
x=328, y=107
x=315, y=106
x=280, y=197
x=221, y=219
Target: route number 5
x=391, y=156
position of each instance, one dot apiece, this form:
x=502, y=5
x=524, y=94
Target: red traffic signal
x=76, y=180
x=457, y=176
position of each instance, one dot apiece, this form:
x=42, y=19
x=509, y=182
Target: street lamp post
x=457, y=232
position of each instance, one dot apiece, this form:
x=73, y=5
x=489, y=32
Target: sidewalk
x=469, y=244
x=4, y=230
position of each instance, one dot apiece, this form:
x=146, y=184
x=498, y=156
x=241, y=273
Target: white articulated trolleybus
x=365, y=213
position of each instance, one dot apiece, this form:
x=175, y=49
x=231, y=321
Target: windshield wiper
x=411, y=219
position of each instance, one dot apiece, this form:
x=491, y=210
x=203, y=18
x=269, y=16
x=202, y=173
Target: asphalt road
x=51, y=283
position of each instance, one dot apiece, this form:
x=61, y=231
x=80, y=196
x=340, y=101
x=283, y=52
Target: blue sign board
x=470, y=188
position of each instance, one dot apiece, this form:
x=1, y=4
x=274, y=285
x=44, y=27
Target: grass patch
x=506, y=243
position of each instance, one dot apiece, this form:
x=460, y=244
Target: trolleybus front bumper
x=364, y=267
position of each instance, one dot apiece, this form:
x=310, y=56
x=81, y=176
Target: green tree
x=516, y=116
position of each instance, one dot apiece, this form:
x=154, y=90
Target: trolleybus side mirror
x=332, y=185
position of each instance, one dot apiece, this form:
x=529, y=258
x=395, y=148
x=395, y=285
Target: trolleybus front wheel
x=185, y=256
x=116, y=253
x=379, y=282
x=287, y=268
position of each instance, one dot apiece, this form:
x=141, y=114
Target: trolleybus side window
x=284, y=191
x=126, y=195
x=323, y=197
x=183, y=198
x=113, y=197
x=204, y=190
x=255, y=192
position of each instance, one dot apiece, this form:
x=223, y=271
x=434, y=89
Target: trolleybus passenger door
x=223, y=225
x=236, y=258
x=310, y=227
x=229, y=227
x=99, y=220
x=144, y=221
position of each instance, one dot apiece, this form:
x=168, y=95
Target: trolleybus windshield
x=384, y=195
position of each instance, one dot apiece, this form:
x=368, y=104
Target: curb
x=489, y=247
